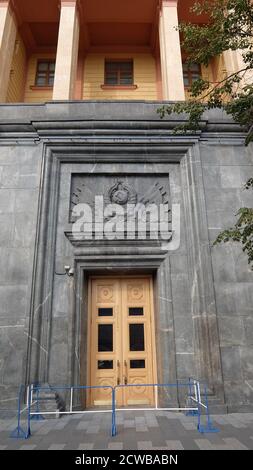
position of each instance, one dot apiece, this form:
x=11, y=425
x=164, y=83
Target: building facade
x=91, y=297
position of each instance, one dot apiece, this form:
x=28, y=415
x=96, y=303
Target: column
x=67, y=51
x=234, y=62
x=171, y=59
x=8, y=32
x=230, y=61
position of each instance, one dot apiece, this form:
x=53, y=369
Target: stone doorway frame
x=207, y=350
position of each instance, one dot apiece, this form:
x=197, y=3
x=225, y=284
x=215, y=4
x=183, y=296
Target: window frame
x=47, y=72
x=190, y=73
x=118, y=84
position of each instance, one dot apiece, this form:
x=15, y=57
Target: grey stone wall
x=225, y=171
x=20, y=167
x=203, y=295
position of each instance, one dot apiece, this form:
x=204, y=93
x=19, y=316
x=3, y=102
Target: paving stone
x=189, y=443
x=245, y=417
x=129, y=423
x=144, y=445
x=140, y=420
x=140, y=428
x=160, y=448
x=88, y=446
x=92, y=429
x=43, y=431
x=78, y=416
x=172, y=431
x=6, y=425
x=28, y=447
x=203, y=444
x=56, y=446
x=151, y=421
x=61, y=425
x=189, y=426
x=235, y=422
x=221, y=447
x=35, y=425
x=115, y=445
x=220, y=420
x=82, y=425
x=234, y=443
x=152, y=424
x=174, y=445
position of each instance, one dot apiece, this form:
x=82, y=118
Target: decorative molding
x=121, y=193
x=119, y=87
x=75, y=122
x=77, y=239
x=40, y=88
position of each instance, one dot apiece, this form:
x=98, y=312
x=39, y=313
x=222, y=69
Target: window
x=105, y=312
x=119, y=72
x=136, y=336
x=135, y=311
x=105, y=338
x=105, y=365
x=192, y=72
x=137, y=364
x=45, y=73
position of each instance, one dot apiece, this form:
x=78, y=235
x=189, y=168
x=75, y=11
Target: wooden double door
x=121, y=346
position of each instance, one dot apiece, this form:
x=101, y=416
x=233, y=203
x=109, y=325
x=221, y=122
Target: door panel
x=121, y=340
x=138, y=363
x=105, y=298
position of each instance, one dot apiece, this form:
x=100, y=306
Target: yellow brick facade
x=40, y=94
x=144, y=78
x=219, y=68
x=215, y=72
x=15, y=93
x=206, y=74
x=69, y=33
x=23, y=73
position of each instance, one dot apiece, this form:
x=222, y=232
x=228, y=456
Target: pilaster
x=67, y=51
x=171, y=59
x=8, y=32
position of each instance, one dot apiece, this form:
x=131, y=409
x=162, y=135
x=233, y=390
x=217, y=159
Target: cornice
x=108, y=124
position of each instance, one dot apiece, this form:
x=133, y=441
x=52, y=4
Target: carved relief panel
x=121, y=207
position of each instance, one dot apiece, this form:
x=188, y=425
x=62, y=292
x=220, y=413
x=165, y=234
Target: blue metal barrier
x=38, y=388
x=114, y=431
x=208, y=428
x=191, y=385
x=37, y=416
x=19, y=432
x=191, y=412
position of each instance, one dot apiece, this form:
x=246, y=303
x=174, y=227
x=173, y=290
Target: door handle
x=118, y=374
x=125, y=377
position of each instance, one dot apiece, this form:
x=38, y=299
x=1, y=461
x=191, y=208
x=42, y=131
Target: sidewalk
x=136, y=431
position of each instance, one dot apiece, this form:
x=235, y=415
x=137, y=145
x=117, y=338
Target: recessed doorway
x=121, y=339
